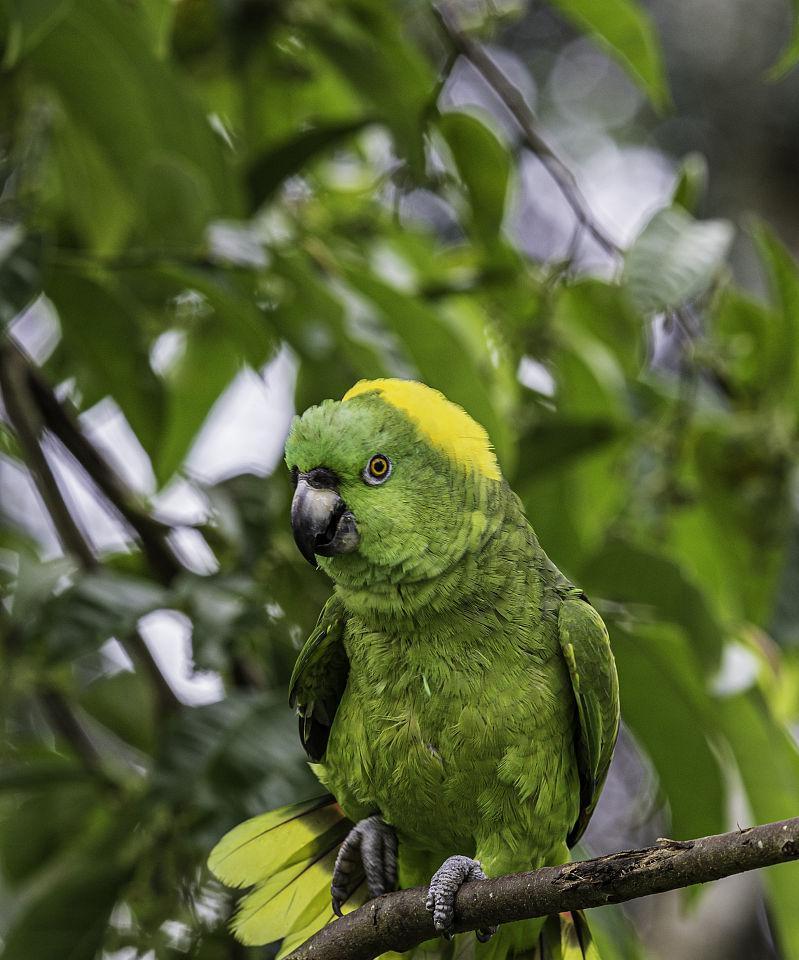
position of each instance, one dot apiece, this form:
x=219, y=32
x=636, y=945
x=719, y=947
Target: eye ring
x=377, y=470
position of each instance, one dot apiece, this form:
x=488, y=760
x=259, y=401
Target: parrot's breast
x=447, y=736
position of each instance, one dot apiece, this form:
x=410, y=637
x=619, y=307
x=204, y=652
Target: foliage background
x=214, y=211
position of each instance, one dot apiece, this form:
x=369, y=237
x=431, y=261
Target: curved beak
x=321, y=522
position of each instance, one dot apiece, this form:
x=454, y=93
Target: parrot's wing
x=319, y=678
x=592, y=670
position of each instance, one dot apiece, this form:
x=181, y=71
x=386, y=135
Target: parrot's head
x=394, y=483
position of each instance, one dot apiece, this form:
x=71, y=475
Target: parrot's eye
x=378, y=470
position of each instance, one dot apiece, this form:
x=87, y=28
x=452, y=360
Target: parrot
x=458, y=697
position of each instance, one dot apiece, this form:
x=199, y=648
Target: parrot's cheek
x=321, y=522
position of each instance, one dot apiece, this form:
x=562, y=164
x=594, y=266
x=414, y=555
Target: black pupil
x=378, y=466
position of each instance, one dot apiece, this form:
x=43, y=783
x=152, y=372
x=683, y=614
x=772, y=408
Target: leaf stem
x=514, y=100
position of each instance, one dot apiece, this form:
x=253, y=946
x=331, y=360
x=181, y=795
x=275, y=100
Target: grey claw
x=444, y=886
x=369, y=849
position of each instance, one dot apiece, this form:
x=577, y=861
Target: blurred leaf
x=41, y=826
x=287, y=159
x=93, y=197
x=40, y=771
x=97, y=317
x=784, y=278
x=691, y=185
x=674, y=259
x=36, y=581
x=100, y=605
x=768, y=761
x=28, y=22
x=189, y=397
x=626, y=573
x=125, y=704
x=67, y=918
x=141, y=112
x=364, y=42
x=241, y=754
x=20, y=281
x=790, y=53
x=601, y=310
x=484, y=166
x=553, y=441
x=749, y=339
x=665, y=703
x=625, y=30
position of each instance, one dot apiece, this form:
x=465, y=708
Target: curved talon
x=444, y=886
x=369, y=849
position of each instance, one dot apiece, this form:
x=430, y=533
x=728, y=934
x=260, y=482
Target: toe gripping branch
x=444, y=886
x=370, y=850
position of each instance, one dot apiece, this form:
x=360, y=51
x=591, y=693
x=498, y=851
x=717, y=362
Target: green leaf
x=601, y=309
x=674, y=259
x=783, y=275
x=555, y=441
x=768, y=761
x=141, y=114
x=241, y=755
x=97, y=318
x=190, y=397
x=691, y=185
x=28, y=22
x=100, y=605
x=278, y=163
x=666, y=705
x=625, y=30
x=484, y=166
x=790, y=53
x=751, y=341
x=125, y=704
x=41, y=771
x=68, y=918
x=365, y=42
x=41, y=826
x=20, y=281
x=626, y=573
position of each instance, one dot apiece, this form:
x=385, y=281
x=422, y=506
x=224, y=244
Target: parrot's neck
x=503, y=556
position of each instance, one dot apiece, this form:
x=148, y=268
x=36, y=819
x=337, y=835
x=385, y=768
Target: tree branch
x=514, y=100
x=151, y=532
x=26, y=419
x=399, y=921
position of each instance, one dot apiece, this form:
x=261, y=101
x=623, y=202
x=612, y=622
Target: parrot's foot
x=371, y=844
x=444, y=886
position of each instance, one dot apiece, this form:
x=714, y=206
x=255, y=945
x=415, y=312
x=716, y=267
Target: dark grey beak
x=320, y=520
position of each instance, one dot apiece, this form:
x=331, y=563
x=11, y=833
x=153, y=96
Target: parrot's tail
x=287, y=856
x=567, y=937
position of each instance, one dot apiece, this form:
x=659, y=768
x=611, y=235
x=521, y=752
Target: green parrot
x=458, y=696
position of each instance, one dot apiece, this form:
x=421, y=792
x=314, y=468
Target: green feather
x=261, y=847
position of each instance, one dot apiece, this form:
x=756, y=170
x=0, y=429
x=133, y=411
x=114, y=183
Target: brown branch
x=26, y=420
x=63, y=424
x=399, y=921
x=27, y=423
x=514, y=100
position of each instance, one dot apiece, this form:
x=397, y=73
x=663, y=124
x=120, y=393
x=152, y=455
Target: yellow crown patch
x=446, y=425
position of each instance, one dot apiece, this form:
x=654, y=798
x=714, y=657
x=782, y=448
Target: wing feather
x=586, y=649
x=319, y=678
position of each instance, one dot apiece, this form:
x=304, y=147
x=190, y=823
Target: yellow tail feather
x=287, y=855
